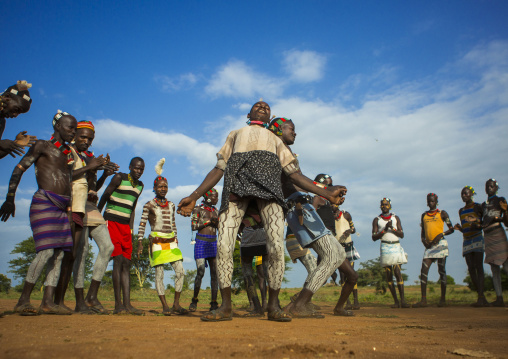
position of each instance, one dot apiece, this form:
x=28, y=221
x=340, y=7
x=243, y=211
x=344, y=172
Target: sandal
x=279, y=315
x=55, y=310
x=305, y=314
x=99, y=309
x=253, y=314
x=420, y=304
x=194, y=305
x=26, y=310
x=166, y=312
x=180, y=311
x=216, y=316
x=344, y=313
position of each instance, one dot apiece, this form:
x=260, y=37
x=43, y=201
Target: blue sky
x=393, y=99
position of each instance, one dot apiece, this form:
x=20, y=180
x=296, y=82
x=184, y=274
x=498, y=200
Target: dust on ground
x=375, y=332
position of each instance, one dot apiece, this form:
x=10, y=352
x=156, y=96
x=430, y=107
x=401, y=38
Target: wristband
x=11, y=194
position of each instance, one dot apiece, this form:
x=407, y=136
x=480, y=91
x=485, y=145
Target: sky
x=392, y=99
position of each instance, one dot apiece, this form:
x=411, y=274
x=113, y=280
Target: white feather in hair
x=159, y=165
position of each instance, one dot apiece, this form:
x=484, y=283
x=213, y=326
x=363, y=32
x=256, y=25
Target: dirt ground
x=375, y=332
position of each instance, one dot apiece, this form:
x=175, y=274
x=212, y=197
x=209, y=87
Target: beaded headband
x=321, y=178
x=86, y=124
x=209, y=193
x=276, y=125
x=432, y=194
x=471, y=189
x=59, y=115
x=386, y=199
x=493, y=180
x=20, y=89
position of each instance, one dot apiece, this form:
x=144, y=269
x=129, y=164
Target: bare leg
x=441, y=267
x=261, y=272
x=200, y=272
x=423, y=282
x=347, y=288
x=250, y=286
x=389, y=279
x=400, y=284
x=214, y=284
x=125, y=279
x=179, y=277
x=496, y=278
x=117, y=286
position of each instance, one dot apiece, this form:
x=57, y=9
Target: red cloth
x=121, y=238
x=77, y=218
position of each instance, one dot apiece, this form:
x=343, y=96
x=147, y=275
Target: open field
x=376, y=330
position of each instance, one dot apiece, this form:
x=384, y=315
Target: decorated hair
x=159, y=170
x=493, y=180
x=20, y=89
x=432, y=194
x=206, y=196
x=321, y=177
x=387, y=200
x=86, y=124
x=471, y=189
x=276, y=125
x=58, y=116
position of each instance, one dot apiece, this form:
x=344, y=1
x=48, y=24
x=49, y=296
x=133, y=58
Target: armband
x=21, y=167
x=11, y=194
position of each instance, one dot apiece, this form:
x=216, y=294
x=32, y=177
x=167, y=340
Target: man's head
x=16, y=99
x=323, y=179
x=137, y=167
x=65, y=125
x=491, y=187
x=385, y=205
x=260, y=111
x=211, y=197
x=284, y=128
x=432, y=201
x=85, y=135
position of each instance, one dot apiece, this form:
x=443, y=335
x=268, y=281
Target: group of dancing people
x=263, y=188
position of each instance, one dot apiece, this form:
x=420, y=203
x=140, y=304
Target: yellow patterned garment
x=432, y=225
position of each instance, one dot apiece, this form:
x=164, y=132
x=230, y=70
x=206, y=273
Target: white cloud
x=304, y=66
x=236, y=79
x=182, y=82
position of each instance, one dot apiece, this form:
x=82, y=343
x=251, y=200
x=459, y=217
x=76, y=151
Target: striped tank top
x=121, y=203
x=467, y=231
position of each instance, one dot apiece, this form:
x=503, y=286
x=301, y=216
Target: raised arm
x=8, y=208
x=333, y=193
x=113, y=185
x=187, y=204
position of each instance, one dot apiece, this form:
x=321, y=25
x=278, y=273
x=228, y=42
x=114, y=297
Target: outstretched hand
x=23, y=139
x=7, y=209
x=337, y=194
x=186, y=206
x=11, y=147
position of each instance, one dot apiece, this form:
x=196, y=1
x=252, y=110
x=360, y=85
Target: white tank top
x=381, y=223
x=342, y=225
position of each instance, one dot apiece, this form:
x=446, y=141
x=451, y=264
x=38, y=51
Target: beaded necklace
x=209, y=209
x=65, y=149
x=432, y=213
x=131, y=180
x=386, y=218
x=261, y=123
x=161, y=203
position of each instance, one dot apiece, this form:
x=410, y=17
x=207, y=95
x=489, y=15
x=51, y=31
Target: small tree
x=5, y=283
x=371, y=273
x=188, y=279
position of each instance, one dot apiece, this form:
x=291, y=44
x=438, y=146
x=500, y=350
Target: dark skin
x=347, y=233
x=259, y=112
x=300, y=305
x=432, y=203
x=82, y=141
x=52, y=174
x=474, y=260
x=122, y=265
x=10, y=107
x=208, y=229
x=499, y=203
x=161, y=190
x=395, y=269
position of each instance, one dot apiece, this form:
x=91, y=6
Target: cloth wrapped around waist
x=161, y=237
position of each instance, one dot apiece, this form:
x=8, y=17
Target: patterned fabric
x=391, y=254
x=86, y=124
x=93, y=217
x=351, y=252
x=473, y=238
x=205, y=249
x=496, y=244
x=331, y=255
x=162, y=218
x=294, y=248
x=121, y=203
x=438, y=251
x=49, y=221
x=164, y=252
